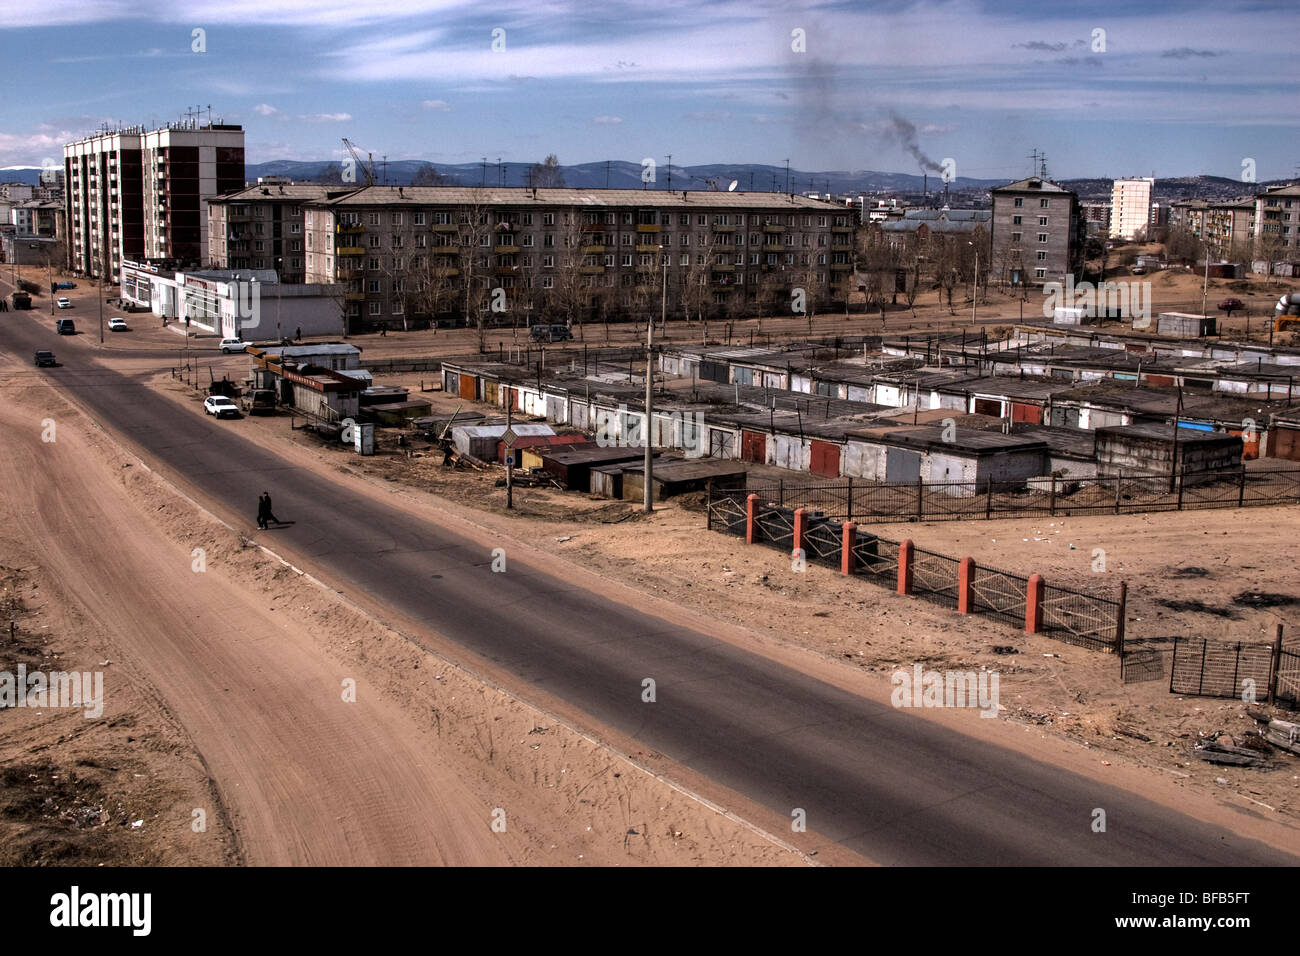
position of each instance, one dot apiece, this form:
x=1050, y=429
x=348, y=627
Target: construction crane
x=367, y=168
x=1286, y=314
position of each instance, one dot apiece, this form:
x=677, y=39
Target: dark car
x=44, y=357
x=65, y=327
x=550, y=333
x=1231, y=305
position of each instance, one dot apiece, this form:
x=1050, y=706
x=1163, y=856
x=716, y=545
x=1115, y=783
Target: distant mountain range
x=619, y=174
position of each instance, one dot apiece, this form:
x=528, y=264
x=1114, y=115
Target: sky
x=1103, y=88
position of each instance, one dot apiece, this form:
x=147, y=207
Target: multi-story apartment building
x=1277, y=222
x=1096, y=216
x=17, y=192
x=1225, y=225
x=261, y=227
x=1038, y=233
x=35, y=218
x=137, y=195
x=417, y=252
x=1130, y=203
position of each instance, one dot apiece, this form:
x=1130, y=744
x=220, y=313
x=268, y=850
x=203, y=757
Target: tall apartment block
x=1130, y=204
x=1038, y=232
x=137, y=194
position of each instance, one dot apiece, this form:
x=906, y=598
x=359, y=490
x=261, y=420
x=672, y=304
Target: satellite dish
x=734, y=184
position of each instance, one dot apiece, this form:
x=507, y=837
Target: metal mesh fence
x=934, y=577
x=1080, y=618
x=1209, y=668
x=727, y=512
x=1000, y=594
x=852, y=499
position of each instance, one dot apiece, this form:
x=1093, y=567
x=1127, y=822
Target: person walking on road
x=263, y=510
x=270, y=515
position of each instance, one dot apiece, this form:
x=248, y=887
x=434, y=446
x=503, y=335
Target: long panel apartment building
x=522, y=254
x=135, y=194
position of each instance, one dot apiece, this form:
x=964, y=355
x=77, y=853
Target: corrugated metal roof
x=496, y=431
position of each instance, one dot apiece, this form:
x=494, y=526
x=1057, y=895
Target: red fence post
x=1034, y=604
x=849, y=539
x=800, y=526
x=905, y=566
x=965, y=576
x=751, y=503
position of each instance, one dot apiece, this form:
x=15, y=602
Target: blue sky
x=1170, y=88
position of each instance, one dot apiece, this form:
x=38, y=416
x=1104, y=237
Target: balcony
x=726, y=267
x=345, y=229
x=591, y=270
x=592, y=227
x=841, y=267
x=350, y=251
x=355, y=297
x=506, y=271
x=774, y=229
x=774, y=246
x=345, y=273
x=507, y=250
x=720, y=228
x=647, y=227
x=592, y=250
x=842, y=229
x=444, y=227
x=648, y=248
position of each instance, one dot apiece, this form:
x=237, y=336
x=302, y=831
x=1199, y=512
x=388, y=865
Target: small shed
x=572, y=467
x=1185, y=325
x=481, y=440
x=399, y=413
x=1203, y=456
x=675, y=476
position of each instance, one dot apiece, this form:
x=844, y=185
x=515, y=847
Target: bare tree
x=428, y=176
x=547, y=174
x=473, y=227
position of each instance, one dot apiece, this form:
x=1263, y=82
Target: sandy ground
x=224, y=694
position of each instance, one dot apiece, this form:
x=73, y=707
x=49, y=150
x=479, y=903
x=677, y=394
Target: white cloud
x=442, y=106
x=607, y=120
x=265, y=109
x=328, y=117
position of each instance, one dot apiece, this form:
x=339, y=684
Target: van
x=550, y=333
x=65, y=327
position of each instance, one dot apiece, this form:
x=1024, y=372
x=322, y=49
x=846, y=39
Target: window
x=374, y=308
x=397, y=241
x=528, y=241
x=739, y=259
x=609, y=259
x=259, y=246
x=419, y=240
x=372, y=262
x=295, y=228
x=397, y=219
x=754, y=239
x=548, y=262
x=1042, y=203
x=295, y=245
x=442, y=219
x=685, y=259
x=1042, y=254
x=548, y=282
x=684, y=219
x=1015, y=237
x=398, y=306
x=1042, y=220
x=627, y=258
x=1042, y=237
x=485, y=240
x=1020, y=201
x=821, y=259
x=374, y=242
x=526, y=219
x=419, y=219
x=548, y=219
x=1015, y=220
x=374, y=219
x=701, y=220
x=627, y=238
x=372, y=285
x=789, y=258
x=821, y=220
x=627, y=219
x=753, y=258
x=643, y=259
x=1040, y=273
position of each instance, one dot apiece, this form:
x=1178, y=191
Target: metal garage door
x=902, y=464
x=753, y=446
x=824, y=460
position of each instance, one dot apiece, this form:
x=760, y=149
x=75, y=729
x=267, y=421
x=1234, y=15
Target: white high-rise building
x=1130, y=207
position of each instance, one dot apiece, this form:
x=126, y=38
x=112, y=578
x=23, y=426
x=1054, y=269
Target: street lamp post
x=976, y=293
x=648, y=496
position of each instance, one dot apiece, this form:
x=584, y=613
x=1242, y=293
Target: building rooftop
x=524, y=196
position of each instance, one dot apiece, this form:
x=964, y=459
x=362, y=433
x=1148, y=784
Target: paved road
x=897, y=789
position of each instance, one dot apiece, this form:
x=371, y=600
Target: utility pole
x=975, y=296
x=787, y=177
x=648, y=502
x=510, y=454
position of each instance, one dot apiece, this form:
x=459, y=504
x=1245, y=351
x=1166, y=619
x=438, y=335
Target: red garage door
x=825, y=459
x=1026, y=413
x=753, y=446
x=988, y=406
x=467, y=387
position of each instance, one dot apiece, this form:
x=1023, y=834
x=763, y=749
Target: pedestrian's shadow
x=282, y=524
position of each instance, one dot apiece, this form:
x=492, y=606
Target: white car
x=63, y=303
x=220, y=406
x=232, y=345
x=118, y=325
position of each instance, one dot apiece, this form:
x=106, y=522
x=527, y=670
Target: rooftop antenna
x=500, y=175
x=670, y=172
x=787, y=177
x=1033, y=158
x=607, y=174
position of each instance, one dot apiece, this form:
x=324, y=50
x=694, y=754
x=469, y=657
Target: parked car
x=65, y=327
x=220, y=406
x=63, y=302
x=1231, y=305
x=232, y=345
x=118, y=325
x=44, y=357
x=550, y=333
x=258, y=401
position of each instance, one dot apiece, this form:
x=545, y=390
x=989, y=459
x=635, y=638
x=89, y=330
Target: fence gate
x=1208, y=668
x=1288, y=676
